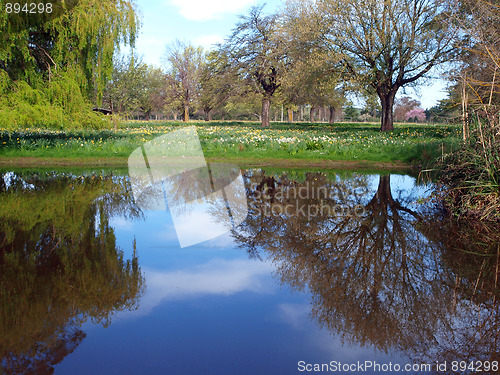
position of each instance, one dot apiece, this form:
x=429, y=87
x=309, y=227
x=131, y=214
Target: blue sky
x=201, y=22
x=205, y=22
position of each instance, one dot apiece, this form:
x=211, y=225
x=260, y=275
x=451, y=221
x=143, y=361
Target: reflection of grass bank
x=410, y=144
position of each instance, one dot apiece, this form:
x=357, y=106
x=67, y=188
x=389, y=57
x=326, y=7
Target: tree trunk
x=331, y=119
x=290, y=114
x=208, y=114
x=186, y=113
x=266, y=104
x=311, y=113
x=387, y=101
x=465, y=119
x=3, y=186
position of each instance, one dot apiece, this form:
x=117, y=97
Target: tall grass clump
x=472, y=174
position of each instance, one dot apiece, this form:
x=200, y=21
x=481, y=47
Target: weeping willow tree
x=72, y=46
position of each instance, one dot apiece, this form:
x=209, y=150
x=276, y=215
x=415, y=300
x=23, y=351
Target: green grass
x=408, y=143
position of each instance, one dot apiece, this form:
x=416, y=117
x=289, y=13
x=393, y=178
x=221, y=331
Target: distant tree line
x=308, y=61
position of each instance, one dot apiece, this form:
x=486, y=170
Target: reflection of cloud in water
x=119, y=222
x=217, y=277
x=167, y=237
x=297, y=316
x=207, y=227
x=219, y=243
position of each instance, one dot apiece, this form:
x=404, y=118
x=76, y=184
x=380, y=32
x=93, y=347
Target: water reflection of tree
x=59, y=265
x=471, y=255
x=377, y=278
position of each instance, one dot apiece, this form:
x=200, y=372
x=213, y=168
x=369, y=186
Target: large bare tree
x=256, y=50
x=387, y=44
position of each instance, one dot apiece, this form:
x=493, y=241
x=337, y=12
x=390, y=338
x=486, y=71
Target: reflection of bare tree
x=181, y=192
x=59, y=265
x=279, y=205
x=377, y=277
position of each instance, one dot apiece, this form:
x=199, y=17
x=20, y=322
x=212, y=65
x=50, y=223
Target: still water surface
x=328, y=268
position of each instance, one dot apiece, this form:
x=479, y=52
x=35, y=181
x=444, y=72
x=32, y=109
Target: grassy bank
x=409, y=144
x=472, y=174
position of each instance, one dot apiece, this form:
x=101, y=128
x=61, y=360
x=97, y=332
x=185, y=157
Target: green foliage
x=219, y=86
x=59, y=263
x=81, y=35
x=135, y=88
x=351, y=113
x=314, y=75
x=445, y=110
x=184, y=63
x=58, y=104
x=59, y=62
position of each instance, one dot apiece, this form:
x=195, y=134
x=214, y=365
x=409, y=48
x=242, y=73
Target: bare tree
x=258, y=54
x=184, y=63
x=387, y=44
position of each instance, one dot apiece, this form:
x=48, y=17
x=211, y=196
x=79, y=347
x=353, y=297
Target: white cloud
x=217, y=277
x=203, y=10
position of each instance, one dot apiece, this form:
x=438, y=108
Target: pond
x=317, y=271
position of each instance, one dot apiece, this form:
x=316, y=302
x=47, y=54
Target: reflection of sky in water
x=403, y=187
x=209, y=309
